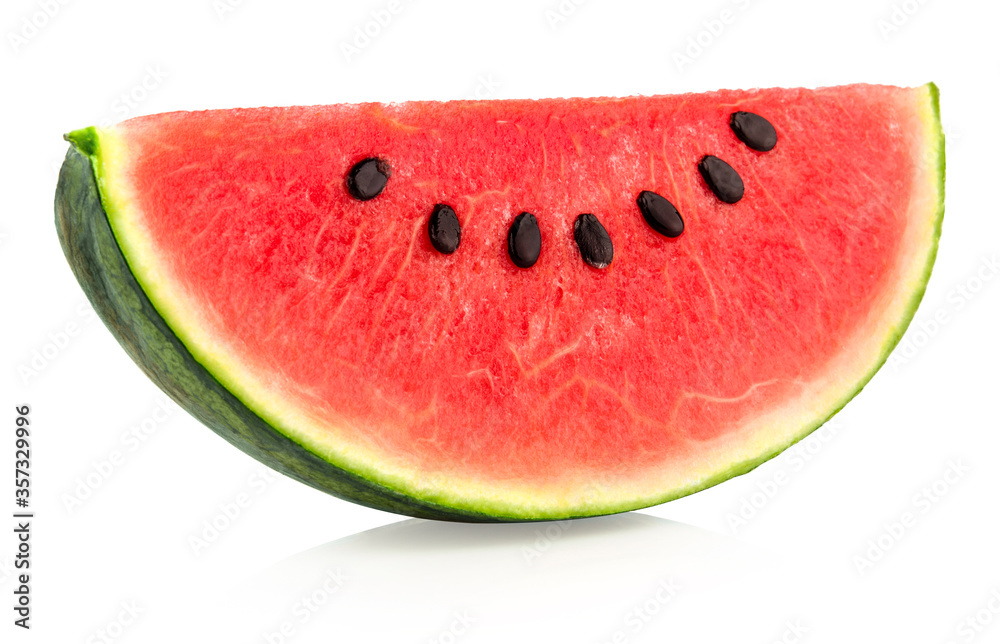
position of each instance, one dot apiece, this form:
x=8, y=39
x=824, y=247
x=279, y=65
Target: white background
x=791, y=571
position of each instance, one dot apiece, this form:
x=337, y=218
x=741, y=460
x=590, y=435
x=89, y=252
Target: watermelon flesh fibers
x=463, y=386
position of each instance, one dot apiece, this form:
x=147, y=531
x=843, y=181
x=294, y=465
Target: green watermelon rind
x=102, y=269
x=895, y=335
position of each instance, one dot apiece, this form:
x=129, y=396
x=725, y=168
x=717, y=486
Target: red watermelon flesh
x=561, y=389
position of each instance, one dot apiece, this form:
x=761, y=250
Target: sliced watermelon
x=301, y=302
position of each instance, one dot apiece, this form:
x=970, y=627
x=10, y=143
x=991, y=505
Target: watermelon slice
x=518, y=309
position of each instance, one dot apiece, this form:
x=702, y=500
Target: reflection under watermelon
x=584, y=580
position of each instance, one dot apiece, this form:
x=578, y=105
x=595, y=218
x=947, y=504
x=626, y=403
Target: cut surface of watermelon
x=326, y=335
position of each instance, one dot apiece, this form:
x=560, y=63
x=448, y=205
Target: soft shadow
x=624, y=544
x=416, y=580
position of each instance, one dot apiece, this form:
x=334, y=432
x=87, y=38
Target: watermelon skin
x=101, y=268
x=102, y=271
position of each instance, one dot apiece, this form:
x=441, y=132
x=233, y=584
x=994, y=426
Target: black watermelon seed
x=754, y=130
x=593, y=241
x=660, y=214
x=721, y=178
x=367, y=178
x=444, y=229
x=524, y=240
